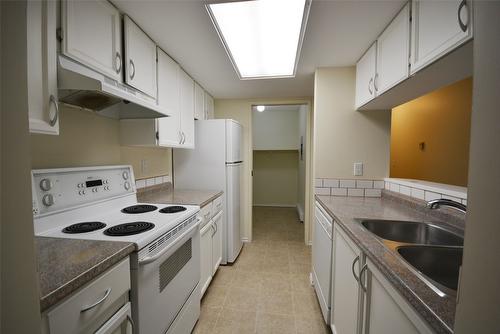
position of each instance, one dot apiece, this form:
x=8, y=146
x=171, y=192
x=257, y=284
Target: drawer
x=70, y=316
x=206, y=214
x=217, y=206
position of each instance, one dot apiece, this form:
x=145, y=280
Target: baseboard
x=277, y=205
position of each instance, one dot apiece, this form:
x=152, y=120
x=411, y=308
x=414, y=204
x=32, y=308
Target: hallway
x=267, y=290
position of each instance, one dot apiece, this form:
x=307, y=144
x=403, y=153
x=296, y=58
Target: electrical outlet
x=358, y=169
x=144, y=166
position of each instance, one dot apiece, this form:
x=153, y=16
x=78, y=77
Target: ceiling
x=281, y=107
x=337, y=34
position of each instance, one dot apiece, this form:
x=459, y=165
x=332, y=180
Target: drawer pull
x=132, y=324
x=91, y=306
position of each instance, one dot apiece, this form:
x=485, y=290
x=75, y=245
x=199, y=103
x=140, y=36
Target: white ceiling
x=337, y=34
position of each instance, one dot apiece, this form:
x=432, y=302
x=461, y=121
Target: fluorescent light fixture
x=263, y=38
x=261, y=108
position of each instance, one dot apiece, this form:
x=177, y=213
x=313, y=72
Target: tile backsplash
x=151, y=181
x=348, y=187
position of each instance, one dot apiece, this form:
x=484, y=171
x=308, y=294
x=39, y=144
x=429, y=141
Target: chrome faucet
x=437, y=203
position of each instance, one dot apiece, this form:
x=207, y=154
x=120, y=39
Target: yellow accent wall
x=87, y=139
x=440, y=120
x=275, y=177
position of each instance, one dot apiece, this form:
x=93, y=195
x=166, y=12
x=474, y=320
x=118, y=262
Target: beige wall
x=441, y=120
x=87, y=139
x=478, y=308
x=241, y=110
x=275, y=178
x=344, y=136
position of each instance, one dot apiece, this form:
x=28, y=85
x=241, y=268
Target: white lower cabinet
x=363, y=300
x=205, y=257
x=217, y=242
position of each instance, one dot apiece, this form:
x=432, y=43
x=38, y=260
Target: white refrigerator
x=215, y=164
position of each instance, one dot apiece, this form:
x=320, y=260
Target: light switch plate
x=358, y=169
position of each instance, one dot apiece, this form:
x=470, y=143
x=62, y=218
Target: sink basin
x=439, y=264
x=412, y=232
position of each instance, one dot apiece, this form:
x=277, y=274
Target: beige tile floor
x=267, y=289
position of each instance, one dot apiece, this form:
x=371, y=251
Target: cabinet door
x=187, y=109
x=386, y=311
x=205, y=257
x=346, y=307
x=42, y=69
x=365, y=74
x=217, y=242
x=437, y=28
x=393, y=52
x=199, y=106
x=92, y=35
x=140, y=59
x=209, y=106
x=168, y=100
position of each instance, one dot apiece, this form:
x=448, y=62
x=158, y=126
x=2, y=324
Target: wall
x=478, y=306
x=275, y=178
x=20, y=301
x=344, y=136
x=241, y=111
x=87, y=139
x=441, y=120
x=275, y=130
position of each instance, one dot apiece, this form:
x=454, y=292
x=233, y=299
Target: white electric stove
x=100, y=203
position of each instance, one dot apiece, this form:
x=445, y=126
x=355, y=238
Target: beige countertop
x=438, y=311
x=166, y=194
x=65, y=265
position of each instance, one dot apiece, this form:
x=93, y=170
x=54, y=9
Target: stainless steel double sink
x=432, y=252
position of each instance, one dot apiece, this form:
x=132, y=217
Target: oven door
x=161, y=287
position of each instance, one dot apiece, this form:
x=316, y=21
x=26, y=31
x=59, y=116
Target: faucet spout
x=437, y=203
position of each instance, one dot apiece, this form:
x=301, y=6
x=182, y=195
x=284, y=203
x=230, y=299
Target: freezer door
x=234, y=243
x=233, y=141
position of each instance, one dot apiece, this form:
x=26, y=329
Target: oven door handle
x=153, y=258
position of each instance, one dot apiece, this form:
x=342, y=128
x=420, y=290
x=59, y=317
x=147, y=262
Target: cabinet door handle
x=354, y=270
x=118, y=62
x=370, y=86
x=361, y=277
x=183, y=137
x=462, y=25
x=53, y=120
x=375, y=82
x=180, y=137
x=131, y=322
x=132, y=69
x=91, y=306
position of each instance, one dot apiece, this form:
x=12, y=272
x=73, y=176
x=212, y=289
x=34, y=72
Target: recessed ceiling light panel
x=262, y=37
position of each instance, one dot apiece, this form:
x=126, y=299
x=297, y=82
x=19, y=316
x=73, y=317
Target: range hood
x=84, y=88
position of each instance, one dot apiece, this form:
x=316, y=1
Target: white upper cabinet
x=199, y=103
x=42, y=70
x=393, y=52
x=186, y=87
x=168, y=100
x=437, y=28
x=209, y=106
x=140, y=59
x=365, y=75
x=91, y=33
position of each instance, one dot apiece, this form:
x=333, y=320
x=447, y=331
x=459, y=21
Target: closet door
x=92, y=35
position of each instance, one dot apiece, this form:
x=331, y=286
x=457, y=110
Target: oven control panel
x=64, y=188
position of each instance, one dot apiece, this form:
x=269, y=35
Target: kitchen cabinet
x=209, y=106
x=199, y=103
x=205, y=257
x=437, y=28
x=101, y=307
x=322, y=259
x=140, y=58
x=365, y=75
x=217, y=241
x=393, y=48
x=43, y=106
x=92, y=35
x=346, y=292
x=186, y=101
x=385, y=310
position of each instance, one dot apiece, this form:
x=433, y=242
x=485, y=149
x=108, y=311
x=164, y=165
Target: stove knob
x=46, y=184
x=48, y=200
x=127, y=185
x=94, y=190
x=125, y=175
